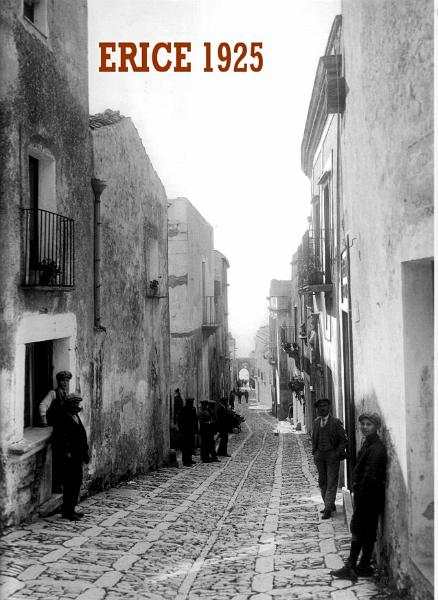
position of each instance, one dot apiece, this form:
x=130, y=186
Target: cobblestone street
x=247, y=528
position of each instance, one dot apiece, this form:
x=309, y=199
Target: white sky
x=229, y=142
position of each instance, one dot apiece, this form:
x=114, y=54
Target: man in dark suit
x=188, y=428
x=72, y=440
x=329, y=442
x=223, y=426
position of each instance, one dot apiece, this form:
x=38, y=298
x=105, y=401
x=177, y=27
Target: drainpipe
x=98, y=186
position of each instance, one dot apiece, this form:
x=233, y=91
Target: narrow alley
x=247, y=528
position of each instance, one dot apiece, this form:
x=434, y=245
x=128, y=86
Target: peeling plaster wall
x=190, y=240
x=43, y=105
x=130, y=426
x=218, y=341
x=388, y=206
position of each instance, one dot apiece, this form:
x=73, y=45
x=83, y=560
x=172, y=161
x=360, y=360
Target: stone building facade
x=262, y=368
x=46, y=206
x=219, y=356
x=198, y=304
x=48, y=285
x=131, y=361
x=388, y=197
x=366, y=286
x=279, y=319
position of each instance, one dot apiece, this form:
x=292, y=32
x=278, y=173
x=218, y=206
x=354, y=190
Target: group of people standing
x=329, y=448
x=238, y=394
x=214, y=419
x=60, y=410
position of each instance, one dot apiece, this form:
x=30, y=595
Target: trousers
x=71, y=484
x=327, y=464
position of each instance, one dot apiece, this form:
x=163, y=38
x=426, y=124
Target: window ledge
x=33, y=441
x=48, y=288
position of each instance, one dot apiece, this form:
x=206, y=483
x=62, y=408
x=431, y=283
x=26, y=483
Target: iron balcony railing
x=49, y=250
x=209, y=311
x=287, y=334
x=314, y=258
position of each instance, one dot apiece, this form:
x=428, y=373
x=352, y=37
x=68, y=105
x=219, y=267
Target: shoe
x=188, y=464
x=345, y=573
x=228, y=455
x=364, y=570
x=215, y=460
x=326, y=514
x=71, y=517
x=206, y=460
x=332, y=509
x=79, y=514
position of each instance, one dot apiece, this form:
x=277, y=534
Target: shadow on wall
x=405, y=544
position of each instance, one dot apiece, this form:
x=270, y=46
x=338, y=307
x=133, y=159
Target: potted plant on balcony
x=153, y=287
x=310, y=270
x=296, y=384
x=48, y=271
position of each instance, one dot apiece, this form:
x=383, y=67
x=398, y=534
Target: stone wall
x=190, y=245
x=129, y=432
x=44, y=108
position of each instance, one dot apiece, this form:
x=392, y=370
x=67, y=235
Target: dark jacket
x=337, y=435
x=370, y=471
x=188, y=420
x=205, y=421
x=72, y=439
x=56, y=411
x=222, y=417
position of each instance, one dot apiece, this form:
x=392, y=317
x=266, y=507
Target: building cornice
x=328, y=97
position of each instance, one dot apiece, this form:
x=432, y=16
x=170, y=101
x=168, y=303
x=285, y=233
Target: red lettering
x=128, y=50
x=105, y=56
x=181, y=55
x=166, y=46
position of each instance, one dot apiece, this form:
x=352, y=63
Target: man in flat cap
x=50, y=406
x=369, y=496
x=73, y=448
x=329, y=442
x=51, y=409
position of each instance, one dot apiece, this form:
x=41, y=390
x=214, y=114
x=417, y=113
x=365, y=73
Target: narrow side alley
x=247, y=528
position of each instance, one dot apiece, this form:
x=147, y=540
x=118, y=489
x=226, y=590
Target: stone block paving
x=247, y=528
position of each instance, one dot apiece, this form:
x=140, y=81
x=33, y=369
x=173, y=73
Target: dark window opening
x=38, y=379
x=33, y=204
x=327, y=237
x=29, y=10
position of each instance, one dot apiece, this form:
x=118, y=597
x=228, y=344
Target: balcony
x=209, y=315
x=314, y=263
x=48, y=250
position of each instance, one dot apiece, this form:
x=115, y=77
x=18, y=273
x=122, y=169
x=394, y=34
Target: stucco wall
x=388, y=204
x=131, y=365
x=44, y=108
x=190, y=244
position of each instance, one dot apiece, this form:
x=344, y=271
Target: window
x=327, y=235
x=35, y=11
x=38, y=379
x=49, y=237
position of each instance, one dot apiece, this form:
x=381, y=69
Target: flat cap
x=63, y=375
x=373, y=417
x=322, y=400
